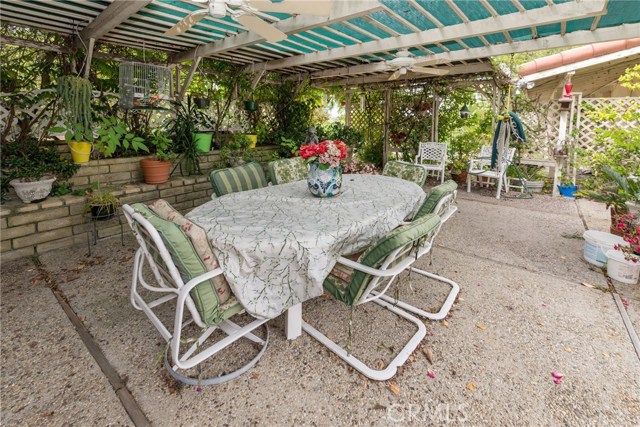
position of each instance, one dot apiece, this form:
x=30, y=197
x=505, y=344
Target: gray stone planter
x=29, y=191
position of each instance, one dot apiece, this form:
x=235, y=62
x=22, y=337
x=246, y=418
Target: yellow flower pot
x=80, y=151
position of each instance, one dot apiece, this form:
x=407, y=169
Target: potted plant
x=75, y=95
x=618, y=195
x=567, y=188
x=464, y=144
x=182, y=128
x=236, y=150
x=79, y=140
x=115, y=138
x=157, y=168
x=32, y=166
x=101, y=205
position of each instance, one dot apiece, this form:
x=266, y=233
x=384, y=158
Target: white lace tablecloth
x=277, y=244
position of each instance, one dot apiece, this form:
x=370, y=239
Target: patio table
x=277, y=244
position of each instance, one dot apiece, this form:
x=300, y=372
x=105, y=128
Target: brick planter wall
x=59, y=222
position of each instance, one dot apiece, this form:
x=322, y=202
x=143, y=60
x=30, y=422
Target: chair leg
x=446, y=306
x=236, y=332
x=499, y=185
x=399, y=360
x=468, y=182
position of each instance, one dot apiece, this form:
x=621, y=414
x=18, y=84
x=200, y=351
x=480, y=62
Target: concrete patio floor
x=529, y=305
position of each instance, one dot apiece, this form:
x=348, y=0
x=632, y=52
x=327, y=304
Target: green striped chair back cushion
x=376, y=254
x=283, y=171
x=435, y=195
x=189, y=265
x=241, y=178
x=407, y=171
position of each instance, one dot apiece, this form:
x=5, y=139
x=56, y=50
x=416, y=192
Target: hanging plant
x=75, y=94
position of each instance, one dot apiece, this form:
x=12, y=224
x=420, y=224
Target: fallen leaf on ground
x=255, y=375
x=587, y=285
x=481, y=326
x=563, y=257
x=430, y=373
x=557, y=375
x=429, y=354
x=568, y=350
x=444, y=323
x=471, y=386
x=394, y=389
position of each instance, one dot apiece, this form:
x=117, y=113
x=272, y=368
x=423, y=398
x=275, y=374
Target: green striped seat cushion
x=189, y=265
x=350, y=292
x=283, y=171
x=435, y=195
x=407, y=171
x=241, y=178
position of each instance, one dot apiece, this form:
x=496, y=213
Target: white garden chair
x=372, y=274
x=433, y=157
x=480, y=167
x=180, y=275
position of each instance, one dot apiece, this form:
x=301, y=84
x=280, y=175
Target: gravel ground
x=523, y=312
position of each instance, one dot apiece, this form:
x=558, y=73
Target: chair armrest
x=397, y=269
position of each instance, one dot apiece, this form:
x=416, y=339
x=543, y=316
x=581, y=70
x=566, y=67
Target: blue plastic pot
x=567, y=190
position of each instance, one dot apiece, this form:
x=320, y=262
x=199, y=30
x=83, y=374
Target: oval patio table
x=277, y=244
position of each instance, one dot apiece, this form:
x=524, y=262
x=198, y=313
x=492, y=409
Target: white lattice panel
x=614, y=108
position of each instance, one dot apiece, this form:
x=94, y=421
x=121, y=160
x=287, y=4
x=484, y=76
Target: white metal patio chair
x=180, y=275
x=371, y=275
x=433, y=157
x=480, y=167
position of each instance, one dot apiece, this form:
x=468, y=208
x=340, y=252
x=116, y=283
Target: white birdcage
x=144, y=86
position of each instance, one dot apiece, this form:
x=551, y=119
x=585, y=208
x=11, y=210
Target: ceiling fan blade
x=428, y=61
x=298, y=7
x=186, y=23
x=395, y=75
x=426, y=70
x=258, y=26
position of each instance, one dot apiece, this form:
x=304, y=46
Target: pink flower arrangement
x=629, y=225
x=327, y=153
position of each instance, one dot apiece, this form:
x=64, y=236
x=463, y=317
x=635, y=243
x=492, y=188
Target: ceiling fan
x=405, y=61
x=247, y=13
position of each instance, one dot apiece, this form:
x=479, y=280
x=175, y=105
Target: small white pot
x=620, y=269
x=29, y=191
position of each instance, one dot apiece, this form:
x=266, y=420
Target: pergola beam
x=382, y=78
x=576, y=38
x=341, y=10
x=625, y=31
x=115, y=14
x=541, y=16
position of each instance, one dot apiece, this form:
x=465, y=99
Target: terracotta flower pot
x=460, y=178
x=155, y=171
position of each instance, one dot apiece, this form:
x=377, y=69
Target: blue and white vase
x=324, y=183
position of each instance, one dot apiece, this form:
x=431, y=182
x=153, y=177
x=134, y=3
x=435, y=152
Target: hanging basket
x=250, y=105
